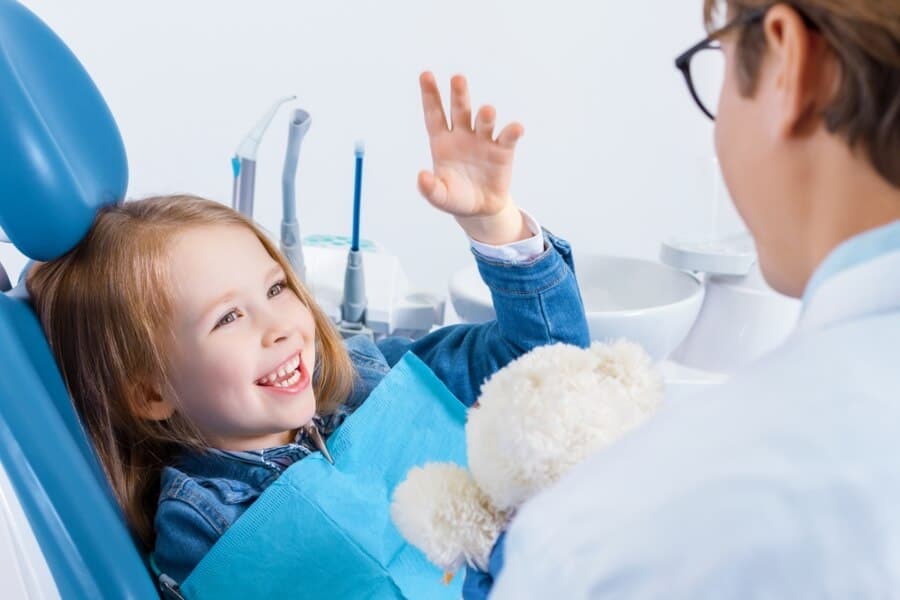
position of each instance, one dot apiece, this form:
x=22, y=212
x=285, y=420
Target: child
x=201, y=367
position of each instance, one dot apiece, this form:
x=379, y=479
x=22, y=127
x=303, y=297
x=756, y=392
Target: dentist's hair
x=104, y=307
x=864, y=36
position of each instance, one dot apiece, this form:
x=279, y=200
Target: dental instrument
x=290, y=228
x=312, y=430
x=353, y=304
x=243, y=163
x=5, y=284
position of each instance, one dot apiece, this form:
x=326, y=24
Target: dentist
x=785, y=481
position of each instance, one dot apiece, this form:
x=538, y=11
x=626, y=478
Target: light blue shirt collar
x=854, y=252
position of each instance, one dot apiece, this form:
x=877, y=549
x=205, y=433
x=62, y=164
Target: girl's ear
x=151, y=405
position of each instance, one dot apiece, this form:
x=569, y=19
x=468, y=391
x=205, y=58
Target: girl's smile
x=289, y=377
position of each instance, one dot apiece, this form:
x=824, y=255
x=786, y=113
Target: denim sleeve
x=477, y=584
x=183, y=537
x=536, y=303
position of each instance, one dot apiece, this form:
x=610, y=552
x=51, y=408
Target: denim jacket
x=536, y=303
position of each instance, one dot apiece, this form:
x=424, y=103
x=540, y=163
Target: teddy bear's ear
x=440, y=510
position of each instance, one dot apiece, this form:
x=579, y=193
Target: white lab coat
x=782, y=483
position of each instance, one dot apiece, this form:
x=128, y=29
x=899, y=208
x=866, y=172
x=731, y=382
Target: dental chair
x=62, y=159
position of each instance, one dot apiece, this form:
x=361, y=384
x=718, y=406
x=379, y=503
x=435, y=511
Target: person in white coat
x=785, y=481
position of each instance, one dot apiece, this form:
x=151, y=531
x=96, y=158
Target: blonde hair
x=102, y=310
x=864, y=36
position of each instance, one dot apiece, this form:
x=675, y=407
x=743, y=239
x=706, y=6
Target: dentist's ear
x=149, y=404
x=799, y=73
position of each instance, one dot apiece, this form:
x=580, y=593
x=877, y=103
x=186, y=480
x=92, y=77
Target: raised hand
x=472, y=170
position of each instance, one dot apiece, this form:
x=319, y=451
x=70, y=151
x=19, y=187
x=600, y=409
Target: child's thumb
x=433, y=189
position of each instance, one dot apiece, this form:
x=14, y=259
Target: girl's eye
x=232, y=315
x=229, y=317
x=277, y=288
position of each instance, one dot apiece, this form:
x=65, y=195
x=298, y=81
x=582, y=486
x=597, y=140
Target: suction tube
x=290, y=228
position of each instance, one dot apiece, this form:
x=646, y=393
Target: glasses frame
x=683, y=62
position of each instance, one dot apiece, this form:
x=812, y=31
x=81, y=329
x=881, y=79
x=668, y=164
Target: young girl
x=201, y=368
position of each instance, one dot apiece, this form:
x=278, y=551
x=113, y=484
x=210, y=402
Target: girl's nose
x=276, y=330
x=273, y=336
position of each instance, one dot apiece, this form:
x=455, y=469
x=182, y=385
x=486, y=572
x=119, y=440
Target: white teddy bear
x=535, y=419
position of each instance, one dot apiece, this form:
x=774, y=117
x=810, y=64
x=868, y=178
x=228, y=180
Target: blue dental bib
x=325, y=531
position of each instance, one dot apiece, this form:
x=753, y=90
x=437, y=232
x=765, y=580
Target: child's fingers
x=435, y=119
x=484, y=122
x=510, y=135
x=433, y=189
x=460, y=106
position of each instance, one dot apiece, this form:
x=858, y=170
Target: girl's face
x=244, y=352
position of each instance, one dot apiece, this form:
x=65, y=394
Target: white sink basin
x=640, y=300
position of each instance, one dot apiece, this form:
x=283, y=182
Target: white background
x=616, y=157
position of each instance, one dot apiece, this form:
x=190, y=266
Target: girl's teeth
x=290, y=381
x=288, y=369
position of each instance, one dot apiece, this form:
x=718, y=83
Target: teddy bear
x=535, y=419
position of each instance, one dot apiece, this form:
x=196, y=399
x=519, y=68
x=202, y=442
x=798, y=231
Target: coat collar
x=860, y=277
x=854, y=252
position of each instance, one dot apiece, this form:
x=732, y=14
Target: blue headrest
x=62, y=154
x=61, y=159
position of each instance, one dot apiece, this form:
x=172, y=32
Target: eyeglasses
x=703, y=65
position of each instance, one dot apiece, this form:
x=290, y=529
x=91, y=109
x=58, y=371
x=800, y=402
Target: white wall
x=612, y=159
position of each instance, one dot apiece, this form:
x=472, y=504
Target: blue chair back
x=62, y=159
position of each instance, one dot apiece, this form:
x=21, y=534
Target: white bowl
x=640, y=300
